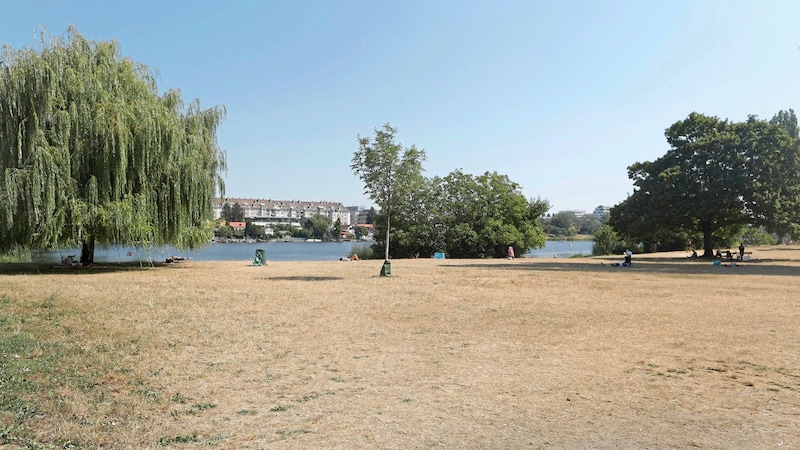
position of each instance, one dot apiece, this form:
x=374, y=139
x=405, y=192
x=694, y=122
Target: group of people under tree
x=728, y=255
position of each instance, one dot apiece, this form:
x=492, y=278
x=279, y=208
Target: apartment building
x=283, y=211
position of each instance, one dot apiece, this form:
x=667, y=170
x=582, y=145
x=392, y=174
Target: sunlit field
x=527, y=353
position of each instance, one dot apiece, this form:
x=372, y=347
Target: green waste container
x=259, y=259
x=386, y=270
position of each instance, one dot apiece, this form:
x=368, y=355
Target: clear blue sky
x=560, y=96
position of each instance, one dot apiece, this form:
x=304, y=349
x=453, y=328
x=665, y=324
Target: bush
x=606, y=242
x=758, y=236
x=364, y=251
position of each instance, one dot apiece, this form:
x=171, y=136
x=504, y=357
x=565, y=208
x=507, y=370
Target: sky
x=560, y=96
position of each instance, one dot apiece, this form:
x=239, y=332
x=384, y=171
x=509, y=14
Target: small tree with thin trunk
x=389, y=172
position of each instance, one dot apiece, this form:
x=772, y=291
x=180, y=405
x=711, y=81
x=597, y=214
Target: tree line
x=565, y=224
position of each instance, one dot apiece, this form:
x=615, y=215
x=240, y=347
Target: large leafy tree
x=483, y=215
x=469, y=216
x=390, y=173
x=716, y=177
x=91, y=153
x=637, y=220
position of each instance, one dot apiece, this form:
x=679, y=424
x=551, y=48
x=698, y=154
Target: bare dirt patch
x=562, y=353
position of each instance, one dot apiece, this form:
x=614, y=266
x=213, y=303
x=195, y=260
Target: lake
x=274, y=251
x=562, y=249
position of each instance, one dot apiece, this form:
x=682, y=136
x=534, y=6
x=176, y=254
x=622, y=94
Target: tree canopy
x=466, y=216
x=481, y=216
x=91, y=153
x=717, y=177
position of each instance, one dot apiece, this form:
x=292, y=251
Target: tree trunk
x=87, y=252
x=387, y=237
x=708, y=243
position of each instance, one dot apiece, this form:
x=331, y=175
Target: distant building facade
x=360, y=216
x=601, y=211
x=283, y=211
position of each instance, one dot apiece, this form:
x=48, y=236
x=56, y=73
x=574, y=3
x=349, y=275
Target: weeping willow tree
x=91, y=153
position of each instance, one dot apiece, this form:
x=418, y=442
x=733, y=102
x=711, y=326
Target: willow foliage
x=90, y=152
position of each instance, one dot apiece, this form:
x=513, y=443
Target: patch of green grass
x=152, y=395
x=287, y=433
x=180, y=439
x=308, y=397
x=194, y=410
x=178, y=398
x=18, y=370
x=203, y=406
x=18, y=255
x=40, y=359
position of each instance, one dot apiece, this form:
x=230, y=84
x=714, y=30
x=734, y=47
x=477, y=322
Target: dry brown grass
x=670, y=353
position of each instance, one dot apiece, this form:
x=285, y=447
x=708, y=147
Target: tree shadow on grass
x=665, y=266
x=50, y=269
x=305, y=278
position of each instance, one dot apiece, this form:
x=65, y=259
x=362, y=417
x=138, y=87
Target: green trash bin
x=259, y=259
x=386, y=270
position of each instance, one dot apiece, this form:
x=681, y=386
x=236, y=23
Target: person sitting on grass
x=626, y=263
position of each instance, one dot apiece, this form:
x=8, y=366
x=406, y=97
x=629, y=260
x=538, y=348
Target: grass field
x=456, y=354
